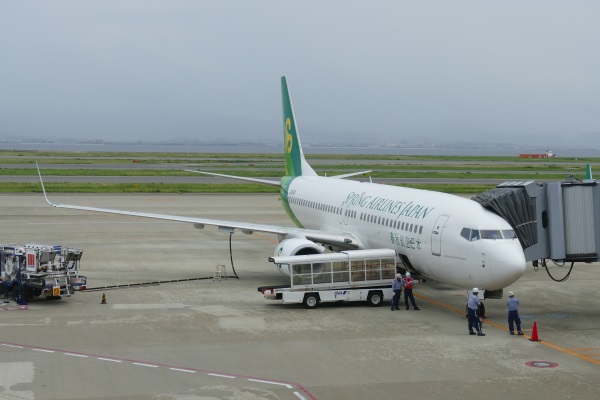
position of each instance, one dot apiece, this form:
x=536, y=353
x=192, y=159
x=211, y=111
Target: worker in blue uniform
x=513, y=313
x=473, y=315
x=397, y=288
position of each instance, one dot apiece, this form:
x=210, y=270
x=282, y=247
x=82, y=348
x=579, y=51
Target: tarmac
x=205, y=339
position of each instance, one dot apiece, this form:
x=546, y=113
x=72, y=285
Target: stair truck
x=35, y=270
x=356, y=275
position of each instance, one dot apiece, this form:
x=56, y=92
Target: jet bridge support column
x=555, y=221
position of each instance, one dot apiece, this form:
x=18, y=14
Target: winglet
x=588, y=172
x=43, y=188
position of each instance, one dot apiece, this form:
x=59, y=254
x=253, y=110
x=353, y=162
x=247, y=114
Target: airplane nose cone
x=507, y=263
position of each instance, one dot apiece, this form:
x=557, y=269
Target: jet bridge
x=559, y=221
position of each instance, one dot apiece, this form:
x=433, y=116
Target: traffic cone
x=534, y=333
x=103, y=299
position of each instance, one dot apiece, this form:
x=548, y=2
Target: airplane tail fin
x=588, y=172
x=295, y=163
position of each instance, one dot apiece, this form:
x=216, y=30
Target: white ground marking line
x=272, y=383
x=44, y=350
x=145, y=365
x=156, y=366
x=76, y=355
x=183, y=370
x=222, y=376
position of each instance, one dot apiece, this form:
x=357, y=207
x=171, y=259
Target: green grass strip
x=17, y=187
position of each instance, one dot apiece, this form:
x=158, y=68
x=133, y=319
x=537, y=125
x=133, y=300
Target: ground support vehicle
x=35, y=270
x=358, y=275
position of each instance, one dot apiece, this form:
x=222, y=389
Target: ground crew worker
x=513, y=313
x=397, y=288
x=472, y=307
x=408, y=287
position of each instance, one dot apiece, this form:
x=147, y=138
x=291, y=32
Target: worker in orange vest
x=408, y=286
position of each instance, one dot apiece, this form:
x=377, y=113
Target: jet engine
x=296, y=247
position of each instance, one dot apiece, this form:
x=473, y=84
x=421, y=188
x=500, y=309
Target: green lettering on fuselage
x=395, y=207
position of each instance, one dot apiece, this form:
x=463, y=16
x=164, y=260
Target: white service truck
x=354, y=275
x=35, y=270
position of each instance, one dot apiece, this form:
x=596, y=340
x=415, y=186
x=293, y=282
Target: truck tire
x=311, y=300
x=17, y=294
x=375, y=298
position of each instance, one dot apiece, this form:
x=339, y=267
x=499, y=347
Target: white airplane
x=440, y=236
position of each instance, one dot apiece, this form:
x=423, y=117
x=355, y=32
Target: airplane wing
x=266, y=181
x=342, y=239
x=350, y=174
x=242, y=178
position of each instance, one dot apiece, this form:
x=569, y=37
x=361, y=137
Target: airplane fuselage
x=443, y=237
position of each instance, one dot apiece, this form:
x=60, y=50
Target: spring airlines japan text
x=394, y=207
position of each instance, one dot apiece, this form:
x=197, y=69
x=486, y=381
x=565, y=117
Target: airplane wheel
x=311, y=300
x=375, y=298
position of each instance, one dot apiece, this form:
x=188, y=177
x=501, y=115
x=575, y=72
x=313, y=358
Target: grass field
x=22, y=164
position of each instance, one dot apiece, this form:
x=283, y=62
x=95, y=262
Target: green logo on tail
x=293, y=156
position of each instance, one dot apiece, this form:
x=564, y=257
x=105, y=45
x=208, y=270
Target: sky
x=358, y=71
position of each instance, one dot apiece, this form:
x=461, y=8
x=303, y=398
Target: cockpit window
x=491, y=234
x=470, y=234
x=509, y=234
x=474, y=234
x=466, y=233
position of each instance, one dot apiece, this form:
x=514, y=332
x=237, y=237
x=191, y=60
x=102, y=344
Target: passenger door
x=436, y=235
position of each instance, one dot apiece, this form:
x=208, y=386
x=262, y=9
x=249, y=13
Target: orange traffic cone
x=534, y=333
x=103, y=299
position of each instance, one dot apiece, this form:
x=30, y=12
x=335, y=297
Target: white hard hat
x=399, y=276
x=407, y=274
x=475, y=290
x=511, y=293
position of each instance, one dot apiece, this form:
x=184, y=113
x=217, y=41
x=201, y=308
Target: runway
x=203, y=339
x=199, y=179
